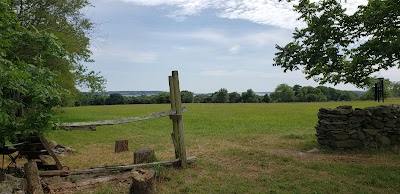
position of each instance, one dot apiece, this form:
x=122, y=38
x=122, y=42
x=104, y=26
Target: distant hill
x=136, y=93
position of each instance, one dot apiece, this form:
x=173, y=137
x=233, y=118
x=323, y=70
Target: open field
x=241, y=148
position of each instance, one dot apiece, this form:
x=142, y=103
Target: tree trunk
x=142, y=182
x=121, y=146
x=33, y=179
x=144, y=155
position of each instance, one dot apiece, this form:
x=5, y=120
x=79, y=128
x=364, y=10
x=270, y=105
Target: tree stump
x=144, y=155
x=32, y=177
x=143, y=181
x=121, y=146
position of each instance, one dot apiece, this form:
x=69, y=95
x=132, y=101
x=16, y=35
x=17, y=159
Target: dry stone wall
x=370, y=127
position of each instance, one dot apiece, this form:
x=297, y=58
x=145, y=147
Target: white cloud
x=240, y=73
x=266, y=12
x=124, y=55
x=235, y=49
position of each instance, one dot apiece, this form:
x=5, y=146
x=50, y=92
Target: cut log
x=121, y=146
x=32, y=177
x=142, y=181
x=144, y=155
x=111, y=169
x=79, y=125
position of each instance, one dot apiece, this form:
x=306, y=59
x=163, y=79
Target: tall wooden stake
x=175, y=133
x=178, y=119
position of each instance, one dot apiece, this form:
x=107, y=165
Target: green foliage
x=336, y=47
x=388, y=91
x=283, y=93
x=161, y=98
x=202, y=98
x=249, y=97
x=221, y=96
x=266, y=98
x=186, y=96
x=29, y=90
x=64, y=20
x=310, y=94
x=115, y=98
x=234, y=97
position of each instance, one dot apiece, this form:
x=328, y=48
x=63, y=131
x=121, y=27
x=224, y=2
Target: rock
x=313, y=150
x=370, y=131
x=378, y=124
x=359, y=112
x=343, y=111
x=390, y=124
x=302, y=154
x=360, y=135
x=384, y=140
x=69, y=149
x=347, y=143
x=52, y=144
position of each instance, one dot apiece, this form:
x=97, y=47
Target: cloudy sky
x=212, y=43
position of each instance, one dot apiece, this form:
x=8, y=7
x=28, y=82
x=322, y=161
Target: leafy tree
x=347, y=96
x=310, y=94
x=266, y=98
x=336, y=47
x=161, y=98
x=296, y=89
x=283, y=93
x=221, y=96
x=234, y=97
x=249, y=97
x=186, y=96
x=115, y=98
x=331, y=93
x=396, y=89
x=202, y=98
x=64, y=20
x=28, y=91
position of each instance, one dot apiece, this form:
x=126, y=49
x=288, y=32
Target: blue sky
x=212, y=43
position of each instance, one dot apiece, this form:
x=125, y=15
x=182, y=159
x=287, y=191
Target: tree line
x=282, y=93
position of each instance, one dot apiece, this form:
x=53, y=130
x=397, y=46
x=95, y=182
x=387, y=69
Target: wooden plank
x=46, y=145
x=175, y=132
x=120, y=121
x=110, y=169
x=178, y=105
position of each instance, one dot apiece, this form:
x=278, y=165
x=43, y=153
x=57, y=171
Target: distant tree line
x=282, y=93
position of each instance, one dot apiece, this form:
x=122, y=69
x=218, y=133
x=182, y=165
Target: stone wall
x=370, y=127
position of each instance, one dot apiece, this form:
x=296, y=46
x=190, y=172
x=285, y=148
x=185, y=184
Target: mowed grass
x=241, y=148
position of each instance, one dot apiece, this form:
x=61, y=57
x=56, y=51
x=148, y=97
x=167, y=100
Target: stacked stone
x=373, y=127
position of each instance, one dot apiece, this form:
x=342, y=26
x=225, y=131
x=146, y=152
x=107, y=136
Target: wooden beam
x=119, y=121
x=175, y=132
x=110, y=169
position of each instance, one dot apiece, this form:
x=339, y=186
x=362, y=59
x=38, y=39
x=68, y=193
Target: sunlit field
x=241, y=148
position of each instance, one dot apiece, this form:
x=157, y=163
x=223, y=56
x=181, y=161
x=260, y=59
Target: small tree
x=266, y=98
x=310, y=94
x=283, y=93
x=234, y=97
x=186, y=96
x=221, y=96
x=249, y=97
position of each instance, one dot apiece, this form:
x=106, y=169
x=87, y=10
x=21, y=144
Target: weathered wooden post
x=121, y=146
x=32, y=176
x=177, y=119
x=175, y=132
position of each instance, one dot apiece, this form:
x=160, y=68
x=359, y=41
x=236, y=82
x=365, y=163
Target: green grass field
x=241, y=148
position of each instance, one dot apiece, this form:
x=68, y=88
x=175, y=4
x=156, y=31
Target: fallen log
x=92, y=125
x=88, y=183
x=111, y=169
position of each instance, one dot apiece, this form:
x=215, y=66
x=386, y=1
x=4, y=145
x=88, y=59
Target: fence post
x=178, y=108
x=175, y=132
